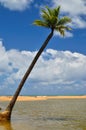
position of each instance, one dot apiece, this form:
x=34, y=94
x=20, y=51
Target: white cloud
x=55, y=71
x=75, y=9
x=78, y=22
x=16, y=4
x=4, y=66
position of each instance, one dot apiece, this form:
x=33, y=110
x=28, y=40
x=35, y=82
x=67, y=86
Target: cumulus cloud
x=75, y=9
x=16, y=4
x=56, y=72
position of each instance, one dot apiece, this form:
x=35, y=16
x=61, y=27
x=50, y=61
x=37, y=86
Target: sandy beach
x=35, y=98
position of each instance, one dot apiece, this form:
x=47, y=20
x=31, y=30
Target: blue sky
x=61, y=68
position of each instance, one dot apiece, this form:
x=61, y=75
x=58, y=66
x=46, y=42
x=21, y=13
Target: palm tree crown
x=51, y=19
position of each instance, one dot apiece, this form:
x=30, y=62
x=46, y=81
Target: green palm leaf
x=56, y=11
x=40, y=23
x=64, y=21
x=49, y=11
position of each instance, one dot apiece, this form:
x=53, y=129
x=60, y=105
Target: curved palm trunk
x=12, y=102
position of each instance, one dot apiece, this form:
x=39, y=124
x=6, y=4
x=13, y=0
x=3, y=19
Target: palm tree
x=51, y=20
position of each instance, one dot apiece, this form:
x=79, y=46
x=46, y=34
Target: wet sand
x=35, y=98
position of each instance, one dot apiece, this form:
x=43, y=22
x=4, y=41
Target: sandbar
x=36, y=98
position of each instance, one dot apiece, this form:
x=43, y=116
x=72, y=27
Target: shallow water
x=57, y=114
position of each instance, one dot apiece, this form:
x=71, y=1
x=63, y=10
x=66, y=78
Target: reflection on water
x=5, y=126
x=62, y=114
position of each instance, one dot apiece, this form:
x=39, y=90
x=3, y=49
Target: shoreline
x=36, y=98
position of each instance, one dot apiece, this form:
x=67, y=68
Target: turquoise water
x=57, y=114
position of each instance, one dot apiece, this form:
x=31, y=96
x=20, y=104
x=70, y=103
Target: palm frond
x=62, y=32
x=63, y=27
x=40, y=23
x=64, y=20
x=44, y=14
x=56, y=11
x=49, y=10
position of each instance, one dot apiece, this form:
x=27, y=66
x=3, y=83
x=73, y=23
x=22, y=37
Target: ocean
x=55, y=114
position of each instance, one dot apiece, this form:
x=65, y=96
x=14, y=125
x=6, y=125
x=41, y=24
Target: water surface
x=56, y=114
